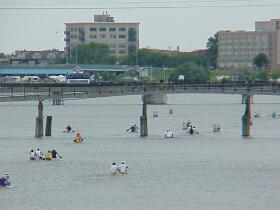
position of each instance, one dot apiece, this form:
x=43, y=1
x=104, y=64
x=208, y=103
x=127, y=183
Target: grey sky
x=188, y=25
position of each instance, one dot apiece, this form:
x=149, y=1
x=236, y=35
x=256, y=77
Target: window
x=113, y=36
x=113, y=51
x=92, y=29
x=131, y=34
x=102, y=29
x=112, y=45
x=93, y=36
x=112, y=29
x=121, y=36
x=103, y=36
x=122, y=46
x=122, y=29
x=122, y=52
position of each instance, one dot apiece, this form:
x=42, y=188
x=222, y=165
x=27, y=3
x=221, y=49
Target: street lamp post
x=164, y=73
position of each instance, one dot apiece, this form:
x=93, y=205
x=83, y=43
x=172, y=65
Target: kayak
x=72, y=131
x=81, y=141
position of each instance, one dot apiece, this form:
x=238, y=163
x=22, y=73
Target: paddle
x=58, y=155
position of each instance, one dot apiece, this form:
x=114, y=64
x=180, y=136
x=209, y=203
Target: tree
x=2, y=55
x=92, y=53
x=245, y=74
x=148, y=57
x=212, y=51
x=260, y=60
x=192, y=73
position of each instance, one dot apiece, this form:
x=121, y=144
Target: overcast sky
x=163, y=23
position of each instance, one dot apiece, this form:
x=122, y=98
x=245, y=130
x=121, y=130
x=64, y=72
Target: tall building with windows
x=121, y=37
x=239, y=48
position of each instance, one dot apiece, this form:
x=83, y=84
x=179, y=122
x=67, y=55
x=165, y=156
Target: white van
x=30, y=79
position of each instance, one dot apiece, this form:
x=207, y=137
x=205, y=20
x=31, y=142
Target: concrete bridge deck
x=27, y=92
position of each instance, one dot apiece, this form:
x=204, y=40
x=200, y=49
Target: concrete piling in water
x=48, y=131
x=39, y=121
x=149, y=99
x=143, y=120
x=247, y=117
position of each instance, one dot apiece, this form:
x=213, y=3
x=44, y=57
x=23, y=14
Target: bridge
x=152, y=94
x=52, y=91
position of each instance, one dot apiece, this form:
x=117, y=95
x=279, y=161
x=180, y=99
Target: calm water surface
x=206, y=171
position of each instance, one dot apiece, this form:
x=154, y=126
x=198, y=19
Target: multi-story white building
x=239, y=48
x=121, y=37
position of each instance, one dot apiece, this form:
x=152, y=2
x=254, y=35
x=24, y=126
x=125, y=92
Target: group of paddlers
x=118, y=170
x=193, y=130
x=38, y=155
x=190, y=128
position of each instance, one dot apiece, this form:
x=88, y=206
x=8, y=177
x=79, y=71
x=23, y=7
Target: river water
x=207, y=171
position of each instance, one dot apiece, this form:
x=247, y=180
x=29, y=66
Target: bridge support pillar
x=247, y=117
x=39, y=121
x=48, y=131
x=143, y=120
x=156, y=98
x=149, y=99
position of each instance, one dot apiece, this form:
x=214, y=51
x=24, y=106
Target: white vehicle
x=181, y=77
x=30, y=79
x=11, y=79
x=59, y=78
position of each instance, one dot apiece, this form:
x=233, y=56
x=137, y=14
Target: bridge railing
x=48, y=91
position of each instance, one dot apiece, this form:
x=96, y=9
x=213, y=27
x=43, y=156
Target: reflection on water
x=206, y=171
